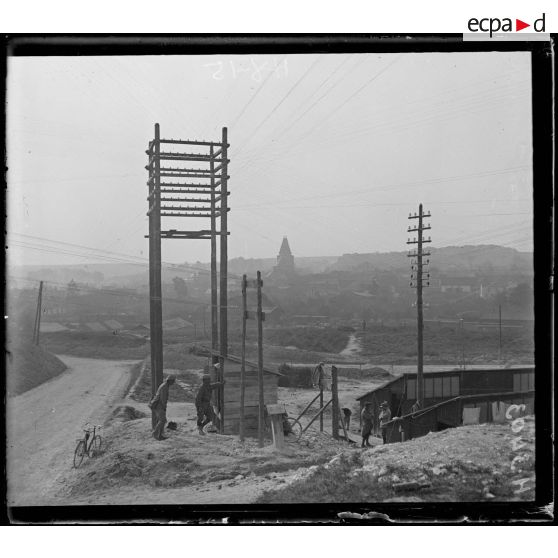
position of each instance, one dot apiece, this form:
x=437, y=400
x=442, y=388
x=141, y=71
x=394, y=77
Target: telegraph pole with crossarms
x=419, y=279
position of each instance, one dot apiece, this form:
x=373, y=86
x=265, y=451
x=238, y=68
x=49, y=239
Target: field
x=445, y=345
x=102, y=345
x=317, y=339
x=377, y=346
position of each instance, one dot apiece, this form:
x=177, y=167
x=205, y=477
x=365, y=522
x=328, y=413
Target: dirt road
x=44, y=423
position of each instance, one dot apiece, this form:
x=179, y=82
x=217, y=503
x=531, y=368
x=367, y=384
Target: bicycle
x=90, y=444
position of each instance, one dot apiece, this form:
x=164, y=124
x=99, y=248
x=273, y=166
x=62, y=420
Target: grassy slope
x=470, y=463
x=28, y=366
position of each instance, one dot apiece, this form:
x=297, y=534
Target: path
x=353, y=347
x=43, y=424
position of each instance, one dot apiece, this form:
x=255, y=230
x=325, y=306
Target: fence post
x=321, y=405
x=335, y=404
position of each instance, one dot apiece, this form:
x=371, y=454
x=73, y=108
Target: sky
x=331, y=150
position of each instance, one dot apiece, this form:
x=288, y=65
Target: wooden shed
x=489, y=407
x=440, y=386
x=229, y=407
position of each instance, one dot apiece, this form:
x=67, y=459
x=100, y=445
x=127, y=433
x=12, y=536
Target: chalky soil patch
x=467, y=464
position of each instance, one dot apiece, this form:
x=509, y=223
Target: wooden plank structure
x=447, y=392
x=232, y=393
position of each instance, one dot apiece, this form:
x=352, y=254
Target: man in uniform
x=367, y=423
x=318, y=377
x=203, y=402
x=158, y=405
x=347, y=417
x=385, y=416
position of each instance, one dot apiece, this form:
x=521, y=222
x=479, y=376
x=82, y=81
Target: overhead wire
x=276, y=107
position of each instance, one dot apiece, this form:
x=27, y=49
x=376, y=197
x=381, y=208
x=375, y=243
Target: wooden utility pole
x=260, y=363
x=335, y=404
x=321, y=386
x=155, y=291
x=417, y=281
x=259, y=316
x=213, y=265
x=224, y=274
x=500, y=335
x=38, y=313
x=462, y=335
x=243, y=357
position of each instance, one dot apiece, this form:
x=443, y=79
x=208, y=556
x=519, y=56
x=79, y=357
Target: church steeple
x=285, y=259
x=285, y=249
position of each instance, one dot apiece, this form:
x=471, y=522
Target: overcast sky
x=331, y=150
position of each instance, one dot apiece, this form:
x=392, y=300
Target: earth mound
x=29, y=365
x=464, y=464
x=124, y=413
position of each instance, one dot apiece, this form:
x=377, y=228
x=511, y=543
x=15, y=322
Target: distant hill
x=450, y=259
x=464, y=260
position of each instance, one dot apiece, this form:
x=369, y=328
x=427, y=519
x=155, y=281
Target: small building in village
x=451, y=398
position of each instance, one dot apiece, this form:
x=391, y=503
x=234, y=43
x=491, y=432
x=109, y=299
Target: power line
x=104, y=254
x=253, y=97
x=480, y=174
x=283, y=99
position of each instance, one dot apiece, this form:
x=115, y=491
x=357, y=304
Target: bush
x=300, y=376
x=327, y=339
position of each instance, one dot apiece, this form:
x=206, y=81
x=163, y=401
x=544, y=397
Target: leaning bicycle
x=89, y=445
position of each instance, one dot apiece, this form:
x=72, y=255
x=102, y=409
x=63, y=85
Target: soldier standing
x=385, y=416
x=158, y=405
x=367, y=421
x=203, y=402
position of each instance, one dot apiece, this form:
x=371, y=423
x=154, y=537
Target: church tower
x=285, y=259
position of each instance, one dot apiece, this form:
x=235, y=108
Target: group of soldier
x=204, y=409
x=206, y=414
x=367, y=413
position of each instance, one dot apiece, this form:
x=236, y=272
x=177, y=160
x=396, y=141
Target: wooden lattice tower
x=188, y=178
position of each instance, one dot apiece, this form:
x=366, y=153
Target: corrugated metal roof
x=452, y=371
